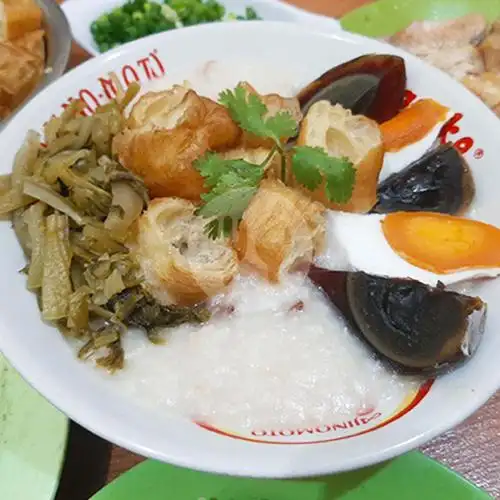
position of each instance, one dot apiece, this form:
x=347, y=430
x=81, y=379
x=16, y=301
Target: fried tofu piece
x=22, y=65
x=18, y=17
x=181, y=263
x=34, y=43
x=166, y=133
x=342, y=134
x=281, y=229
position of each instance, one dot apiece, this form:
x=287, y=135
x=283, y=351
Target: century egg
x=417, y=327
x=371, y=85
x=440, y=181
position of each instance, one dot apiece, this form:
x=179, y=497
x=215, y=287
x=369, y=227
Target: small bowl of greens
x=139, y=18
x=101, y=25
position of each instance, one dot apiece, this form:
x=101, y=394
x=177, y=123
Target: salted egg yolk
x=442, y=243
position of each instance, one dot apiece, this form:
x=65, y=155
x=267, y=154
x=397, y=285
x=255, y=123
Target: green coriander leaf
x=246, y=171
x=230, y=180
x=340, y=182
x=214, y=168
x=232, y=185
x=310, y=165
x=227, y=183
x=219, y=227
x=227, y=208
x=213, y=229
x=211, y=167
x=282, y=124
x=231, y=203
x=305, y=169
x=314, y=157
x=249, y=112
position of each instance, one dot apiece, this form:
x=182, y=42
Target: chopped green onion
x=138, y=18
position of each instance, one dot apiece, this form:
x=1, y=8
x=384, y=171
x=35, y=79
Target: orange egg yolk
x=442, y=243
x=412, y=124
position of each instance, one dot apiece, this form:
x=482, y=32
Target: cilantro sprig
x=311, y=165
x=249, y=112
x=233, y=183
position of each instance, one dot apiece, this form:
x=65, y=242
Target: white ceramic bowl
x=46, y=360
x=82, y=13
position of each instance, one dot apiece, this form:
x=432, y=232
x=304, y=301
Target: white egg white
x=357, y=242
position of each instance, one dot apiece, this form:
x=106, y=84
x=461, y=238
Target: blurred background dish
x=22, y=52
x=58, y=40
x=32, y=440
x=383, y=18
x=460, y=37
x=33, y=57
x=82, y=14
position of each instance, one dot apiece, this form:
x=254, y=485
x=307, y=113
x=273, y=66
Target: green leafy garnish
x=230, y=202
x=249, y=112
x=250, y=15
x=138, y=18
x=311, y=165
x=230, y=173
x=219, y=227
x=233, y=183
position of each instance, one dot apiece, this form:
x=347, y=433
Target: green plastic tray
x=410, y=477
x=386, y=17
x=33, y=438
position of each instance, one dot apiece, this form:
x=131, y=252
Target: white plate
x=43, y=356
x=82, y=13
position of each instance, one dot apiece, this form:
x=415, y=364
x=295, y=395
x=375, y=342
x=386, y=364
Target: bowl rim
x=114, y=434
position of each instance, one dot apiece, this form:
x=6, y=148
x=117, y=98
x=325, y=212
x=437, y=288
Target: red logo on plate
x=145, y=69
x=451, y=127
